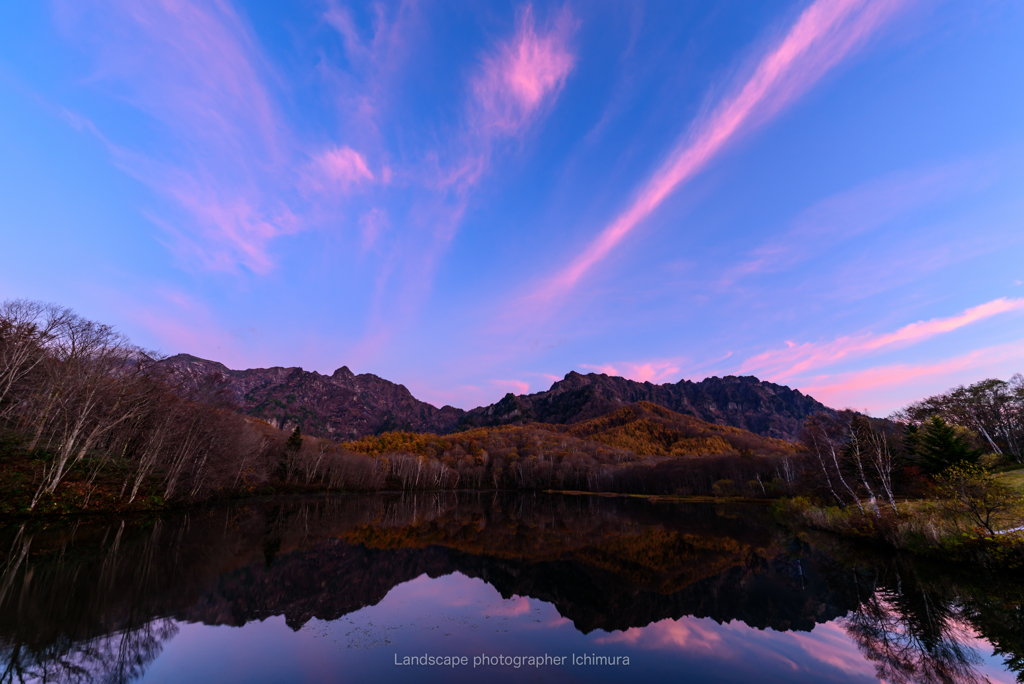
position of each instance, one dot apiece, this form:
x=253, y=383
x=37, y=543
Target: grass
x=924, y=526
x=1013, y=478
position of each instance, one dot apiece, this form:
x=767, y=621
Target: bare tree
x=823, y=435
x=26, y=328
x=93, y=386
x=858, y=431
x=884, y=462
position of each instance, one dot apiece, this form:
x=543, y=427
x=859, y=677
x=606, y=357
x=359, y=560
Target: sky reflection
x=462, y=616
x=357, y=582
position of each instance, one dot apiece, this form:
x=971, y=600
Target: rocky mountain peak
x=344, y=405
x=344, y=373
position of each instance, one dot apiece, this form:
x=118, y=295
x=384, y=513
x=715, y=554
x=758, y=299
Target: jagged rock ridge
x=347, y=406
x=739, y=401
x=342, y=405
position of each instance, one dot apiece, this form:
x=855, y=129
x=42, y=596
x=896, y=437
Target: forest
x=90, y=421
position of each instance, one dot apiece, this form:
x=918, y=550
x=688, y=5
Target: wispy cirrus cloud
x=824, y=35
x=196, y=70
x=797, y=359
x=516, y=80
x=338, y=169
x=883, y=389
x=216, y=142
x=520, y=76
x=857, y=211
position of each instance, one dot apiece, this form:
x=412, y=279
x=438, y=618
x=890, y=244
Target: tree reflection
x=920, y=632
x=111, y=659
x=903, y=654
x=96, y=602
x=80, y=615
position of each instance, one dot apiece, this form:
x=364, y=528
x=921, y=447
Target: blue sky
x=472, y=199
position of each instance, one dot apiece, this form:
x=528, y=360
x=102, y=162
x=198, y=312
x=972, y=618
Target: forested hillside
x=91, y=421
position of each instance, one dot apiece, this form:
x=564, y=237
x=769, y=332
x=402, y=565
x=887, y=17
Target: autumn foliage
x=87, y=419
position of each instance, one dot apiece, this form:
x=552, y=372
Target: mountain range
x=346, y=406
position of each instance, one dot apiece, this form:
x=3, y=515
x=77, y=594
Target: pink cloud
x=795, y=359
x=521, y=75
x=196, y=69
x=338, y=168
x=514, y=386
x=228, y=230
x=686, y=634
x=828, y=643
x=172, y=322
x=517, y=81
x=657, y=371
x=385, y=49
x=607, y=369
x=517, y=605
x=883, y=389
x=236, y=176
x=467, y=396
x=371, y=75
x=826, y=32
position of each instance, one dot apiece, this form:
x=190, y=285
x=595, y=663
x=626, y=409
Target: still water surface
x=341, y=588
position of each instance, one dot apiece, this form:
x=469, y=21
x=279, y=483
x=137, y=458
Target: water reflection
x=705, y=589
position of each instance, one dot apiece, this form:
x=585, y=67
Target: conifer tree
x=294, y=442
x=911, y=441
x=940, y=446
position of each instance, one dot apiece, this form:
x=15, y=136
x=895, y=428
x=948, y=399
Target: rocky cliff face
x=744, y=402
x=347, y=406
x=342, y=405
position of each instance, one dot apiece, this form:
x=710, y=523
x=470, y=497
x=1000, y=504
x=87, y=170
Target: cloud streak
x=857, y=211
x=882, y=389
x=780, y=365
x=825, y=33
x=516, y=81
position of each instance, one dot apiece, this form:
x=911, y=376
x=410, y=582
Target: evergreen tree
x=940, y=446
x=911, y=441
x=294, y=442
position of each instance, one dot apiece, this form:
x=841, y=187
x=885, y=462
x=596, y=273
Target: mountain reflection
x=96, y=601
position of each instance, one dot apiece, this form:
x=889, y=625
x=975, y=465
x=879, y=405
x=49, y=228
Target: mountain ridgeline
x=346, y=406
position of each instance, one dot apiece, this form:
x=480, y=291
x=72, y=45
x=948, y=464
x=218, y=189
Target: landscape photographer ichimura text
x=500, y=660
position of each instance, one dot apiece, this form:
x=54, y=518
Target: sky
x=472, y=199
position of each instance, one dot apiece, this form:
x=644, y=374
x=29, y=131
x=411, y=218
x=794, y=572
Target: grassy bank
x=941, y=528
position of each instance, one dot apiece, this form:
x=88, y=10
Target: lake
x=495, y=587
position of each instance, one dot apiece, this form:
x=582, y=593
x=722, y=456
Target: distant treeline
x=90, y=420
